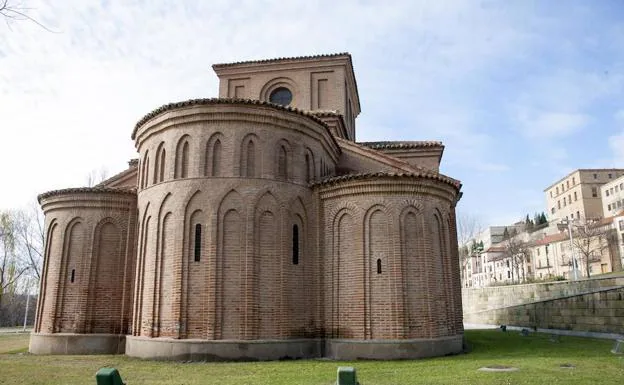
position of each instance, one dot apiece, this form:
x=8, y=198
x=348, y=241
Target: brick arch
x=380, y=266
x=347, y=280
x=182, y=157
x=144, y=170
x=415, y=266
x=139, y=282
x=275, y=83
x=268, y=258
x=250, y=156
x=47, y=298
x=160, y=163
x=163, y=270
x=231, y=230
x=104, y=313
x=212, y=158
x=310, y=166
x=439, y=271
x=283, y=161
x=71, y=293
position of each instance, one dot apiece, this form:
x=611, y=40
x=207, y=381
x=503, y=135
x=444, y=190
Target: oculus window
x=281, y=96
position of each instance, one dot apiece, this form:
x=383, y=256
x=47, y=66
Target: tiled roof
x=275, y=60
x=414, y=175
x=87, y=190
x=408, y=144
x=202, y=102
x=551, y=239
x=134, y=164
x=495, y=249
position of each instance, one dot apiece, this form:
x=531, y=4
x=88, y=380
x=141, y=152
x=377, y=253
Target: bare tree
x=468, y=228
x=11, y=266
x=97, y=176
x=30, y=235
x=15, y=11
x=518, y=252
x=590, y=239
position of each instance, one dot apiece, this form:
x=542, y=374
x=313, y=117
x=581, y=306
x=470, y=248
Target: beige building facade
x=254, y=227
x=612, y=194
x=577, y=195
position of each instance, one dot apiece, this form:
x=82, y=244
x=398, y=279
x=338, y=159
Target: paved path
x=576, y=333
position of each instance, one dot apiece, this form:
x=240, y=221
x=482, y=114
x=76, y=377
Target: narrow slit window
x=295, y=245
x=378, y=266
x=73, y=276
x=198, y=236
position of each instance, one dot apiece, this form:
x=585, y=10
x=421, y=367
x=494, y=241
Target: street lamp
x=561, y=226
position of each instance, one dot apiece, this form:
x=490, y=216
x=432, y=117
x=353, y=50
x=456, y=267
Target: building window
x=551, y=193
x=552, y=211
x=595, y=176
x=621, y=225
x=569, y=199
x=538, y=251
x=572, y=215
x=578, y=215
x=610, y=176
x=609, y=207
x=378, y=266
x=295, y=245
x=573, y=181
x=611, y=190
x=567, y=183
x=73, y=276
x=508, y=274
x=559, y=205
x=575, y=197
x=564, y=202
x=607, y=192
x=198, y=232
x=281, y=96
x=619, y=204
x=594, y=192
x=557, y=190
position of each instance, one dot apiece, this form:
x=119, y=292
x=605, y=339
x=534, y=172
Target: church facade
x=253, y=226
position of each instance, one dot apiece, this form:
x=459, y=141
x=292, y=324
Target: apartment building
x=612, y=194
x=577, y=195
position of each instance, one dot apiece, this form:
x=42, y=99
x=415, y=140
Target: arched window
x=216, y=158
x=282, y=163
x=198, y=237
x=378, y=265
x=73, y=276
x=295, y=245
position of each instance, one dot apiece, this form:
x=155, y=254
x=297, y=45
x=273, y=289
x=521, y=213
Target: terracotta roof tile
x=275, y=60
x=403, y=144
x=415, y=175
x=87, y=190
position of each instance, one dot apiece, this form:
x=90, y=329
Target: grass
x=538, y=359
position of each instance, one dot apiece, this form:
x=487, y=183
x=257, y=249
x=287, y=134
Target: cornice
x=223, y=101
x=283, y=59
x=86, y=190
x=387, y=175
x=383, y=145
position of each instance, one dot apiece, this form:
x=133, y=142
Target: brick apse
x=253, y=226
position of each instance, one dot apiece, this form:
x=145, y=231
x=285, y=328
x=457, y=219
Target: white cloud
x=549, y=125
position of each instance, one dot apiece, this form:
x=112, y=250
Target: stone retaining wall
x=601, y=311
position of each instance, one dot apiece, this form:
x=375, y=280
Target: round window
x=281, y=96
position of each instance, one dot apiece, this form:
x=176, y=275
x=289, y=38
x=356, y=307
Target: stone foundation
x=71, y=343
x=339, y=349
x=223, y=350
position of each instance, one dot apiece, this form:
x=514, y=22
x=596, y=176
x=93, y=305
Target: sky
x=520, y=92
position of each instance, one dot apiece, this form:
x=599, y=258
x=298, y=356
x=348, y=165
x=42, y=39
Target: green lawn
x=538, y=359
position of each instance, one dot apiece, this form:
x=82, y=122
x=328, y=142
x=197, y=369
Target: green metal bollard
x=346, y=376
x=108, y=376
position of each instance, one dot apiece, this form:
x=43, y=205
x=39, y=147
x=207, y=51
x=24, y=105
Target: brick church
x=253, y=226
